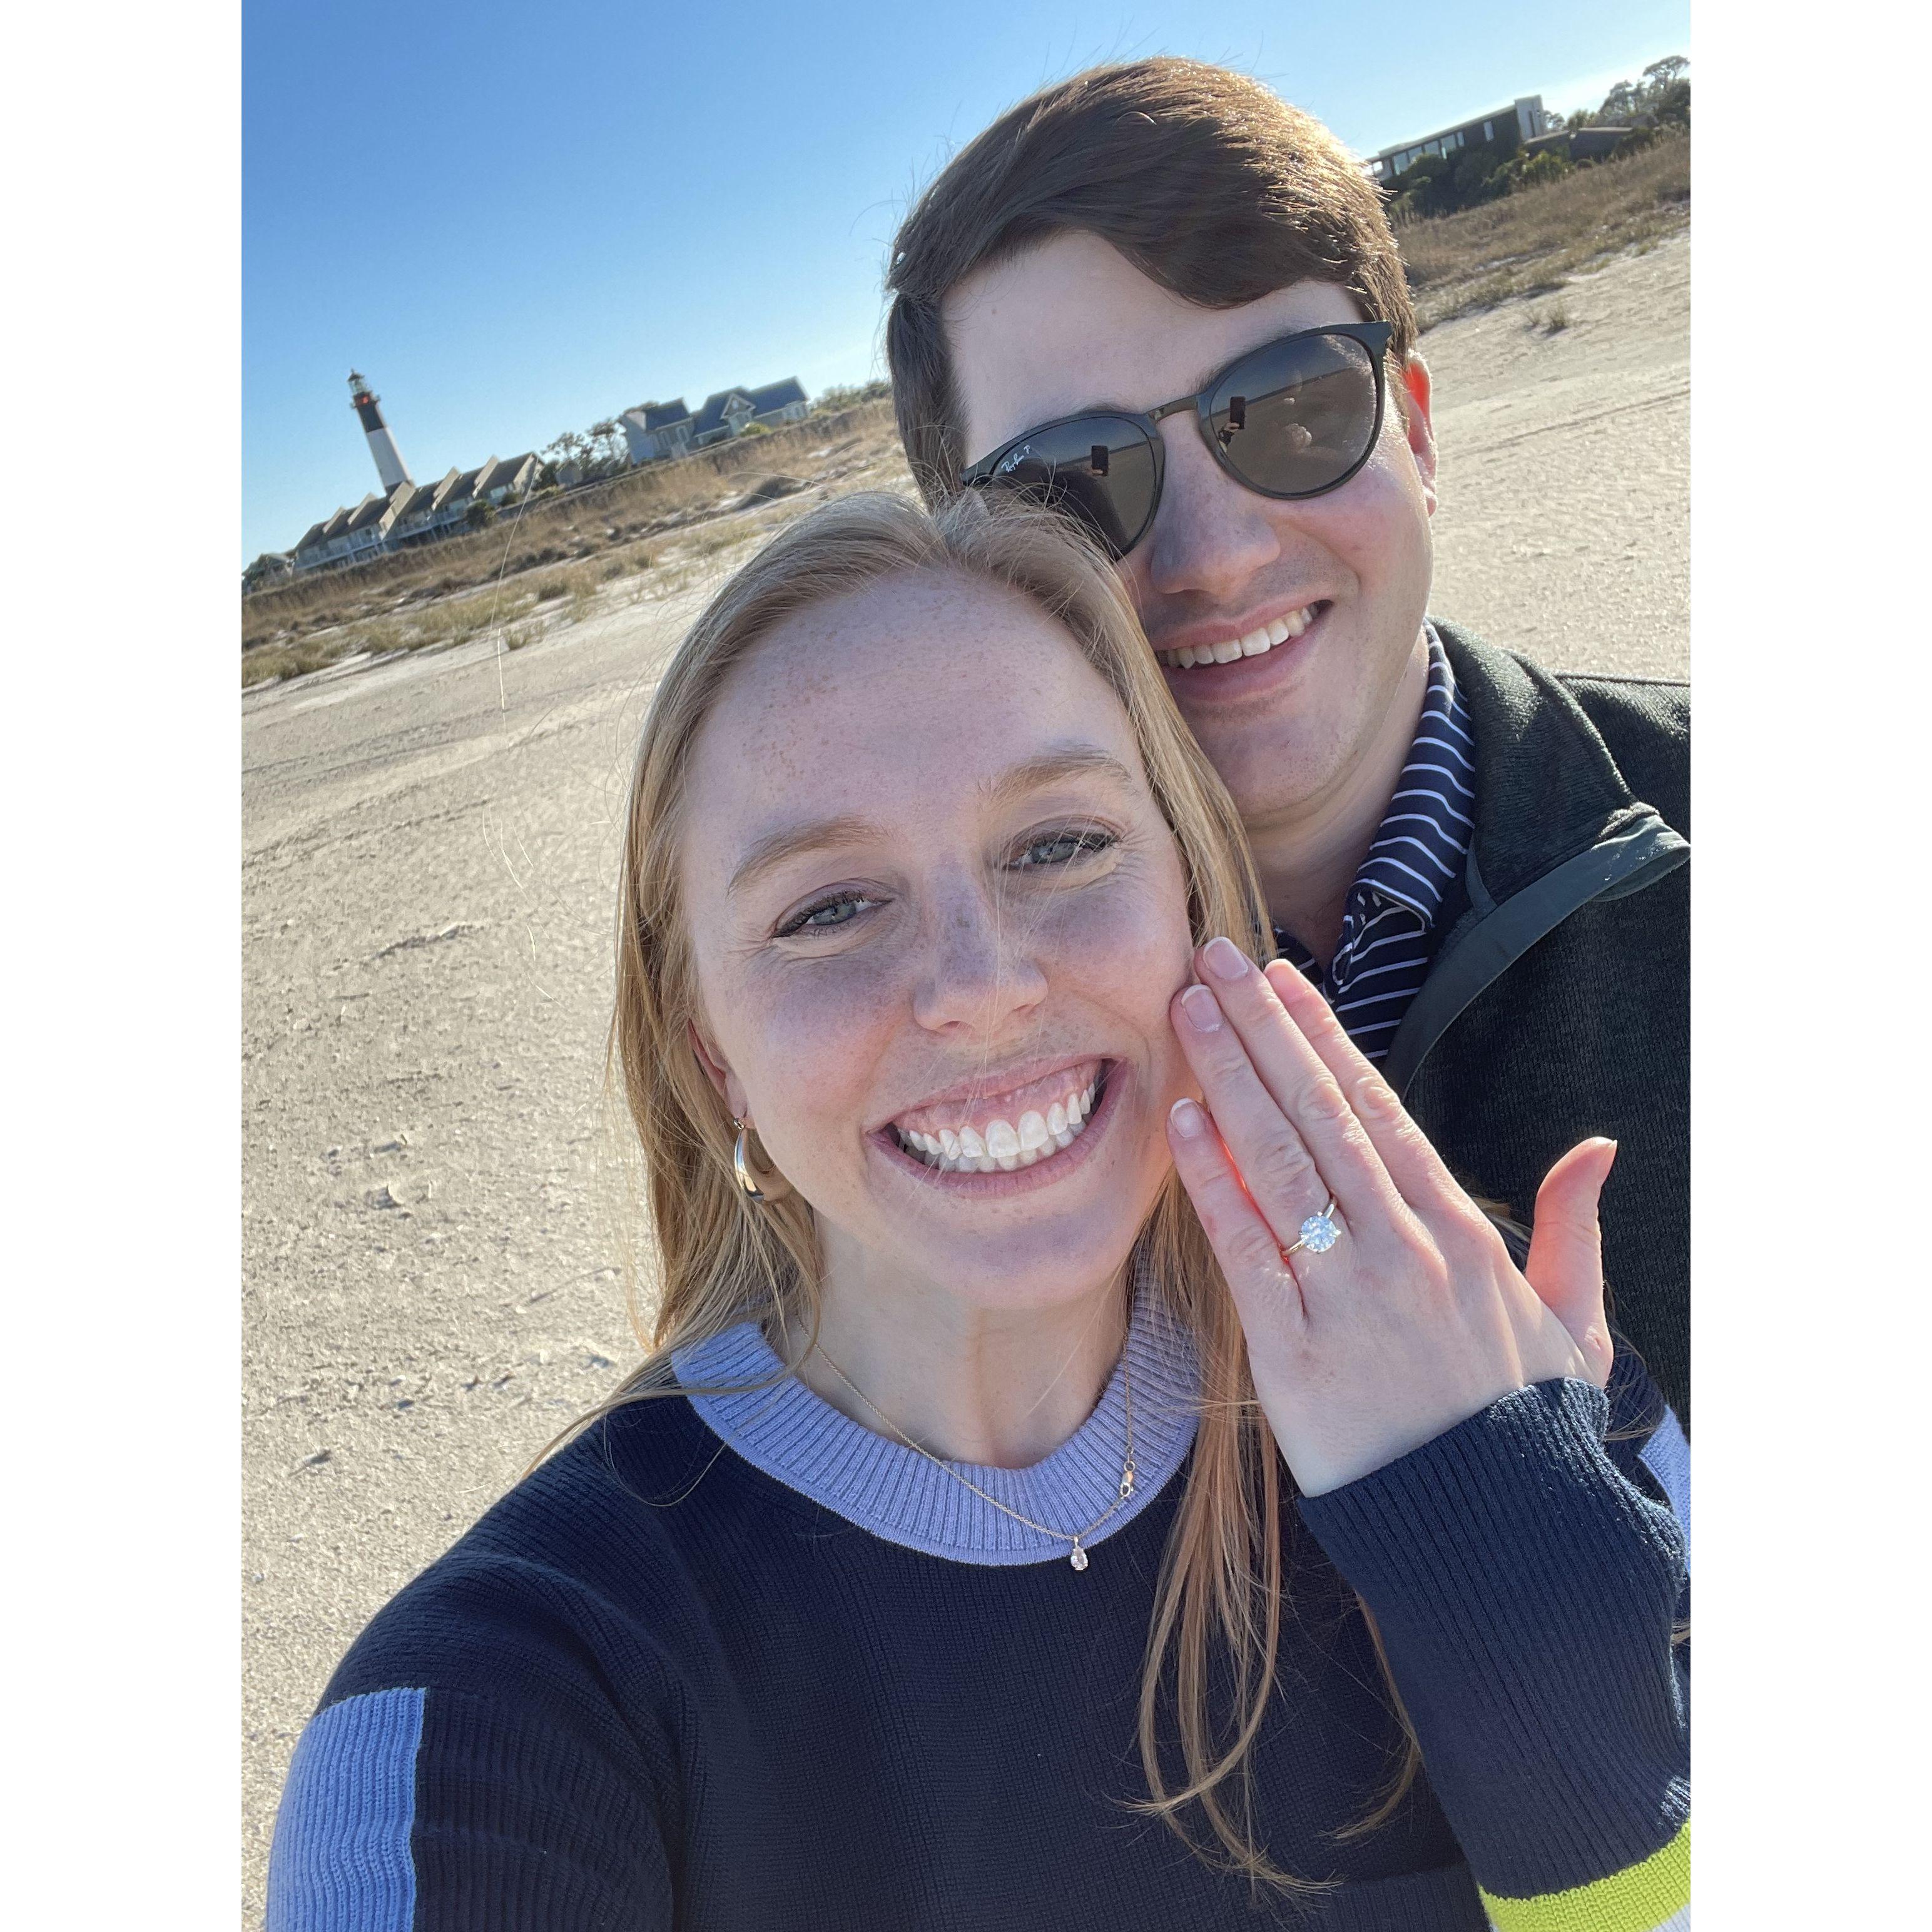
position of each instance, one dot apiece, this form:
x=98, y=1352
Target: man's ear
x=1421, y=431
x=720, y=1075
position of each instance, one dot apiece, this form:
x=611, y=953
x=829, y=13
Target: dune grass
x=1531, y=243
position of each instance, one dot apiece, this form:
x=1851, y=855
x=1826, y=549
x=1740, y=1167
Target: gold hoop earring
x=776, y=1187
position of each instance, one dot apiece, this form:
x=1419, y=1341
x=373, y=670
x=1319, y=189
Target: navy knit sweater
x=800, y=1682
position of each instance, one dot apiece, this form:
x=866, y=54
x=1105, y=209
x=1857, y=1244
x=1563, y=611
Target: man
x=1482, y=863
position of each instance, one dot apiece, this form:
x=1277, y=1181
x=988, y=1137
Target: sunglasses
x=1295, y=418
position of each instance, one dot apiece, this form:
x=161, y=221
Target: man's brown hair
x=1209, y=183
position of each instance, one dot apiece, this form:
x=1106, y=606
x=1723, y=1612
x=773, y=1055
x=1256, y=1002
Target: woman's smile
x=1018, y=1135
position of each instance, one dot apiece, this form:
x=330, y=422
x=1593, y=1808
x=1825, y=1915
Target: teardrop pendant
x=1079, y=1559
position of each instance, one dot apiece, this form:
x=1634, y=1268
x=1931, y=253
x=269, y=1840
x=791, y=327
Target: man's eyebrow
x=775, y=847
x=1064, y=761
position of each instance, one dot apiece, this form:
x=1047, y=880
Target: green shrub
x=1528, y=171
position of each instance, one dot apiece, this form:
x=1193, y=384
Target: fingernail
x=1224, y=959
x=1188, y=1119
x=1204, y=1015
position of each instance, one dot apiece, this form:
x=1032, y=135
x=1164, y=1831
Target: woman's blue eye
x=827, y=913
x=1062, y=848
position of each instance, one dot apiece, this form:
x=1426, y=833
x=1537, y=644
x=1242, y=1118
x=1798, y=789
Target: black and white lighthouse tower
x=389, y=463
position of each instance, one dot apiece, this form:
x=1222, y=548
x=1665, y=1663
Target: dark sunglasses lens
x=1296, y=417
x=1098, y=469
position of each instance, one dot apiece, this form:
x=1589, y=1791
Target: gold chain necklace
x=1079, y=1558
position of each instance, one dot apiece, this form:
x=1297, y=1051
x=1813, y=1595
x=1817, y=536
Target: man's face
x=1069, y=324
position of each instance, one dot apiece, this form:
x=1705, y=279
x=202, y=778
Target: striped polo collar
x=1430, y=807
x=1424, y=835
x=799, y=1439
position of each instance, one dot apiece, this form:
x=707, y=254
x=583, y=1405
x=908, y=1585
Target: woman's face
x=937, y=918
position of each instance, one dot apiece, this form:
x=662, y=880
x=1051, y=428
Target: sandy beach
x=434, y=1211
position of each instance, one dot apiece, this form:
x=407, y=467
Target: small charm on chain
x=1079, y=1559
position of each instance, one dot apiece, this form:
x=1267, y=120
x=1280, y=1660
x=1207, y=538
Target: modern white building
x=1510, y=127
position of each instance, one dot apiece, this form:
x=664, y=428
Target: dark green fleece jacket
x=1558, y=1005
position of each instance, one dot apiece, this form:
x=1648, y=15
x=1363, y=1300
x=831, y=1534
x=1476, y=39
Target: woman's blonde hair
x=723, y=1259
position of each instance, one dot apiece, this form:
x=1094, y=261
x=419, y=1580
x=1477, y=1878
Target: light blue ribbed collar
x=799, y=1438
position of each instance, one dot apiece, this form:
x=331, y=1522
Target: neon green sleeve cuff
x=1652, y=1897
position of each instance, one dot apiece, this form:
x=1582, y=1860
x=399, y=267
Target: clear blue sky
x=516, y=219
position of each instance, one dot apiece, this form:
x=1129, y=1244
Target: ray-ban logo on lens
x=1014, y=460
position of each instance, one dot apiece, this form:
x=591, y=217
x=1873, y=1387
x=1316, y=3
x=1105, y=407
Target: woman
x=938, y=1568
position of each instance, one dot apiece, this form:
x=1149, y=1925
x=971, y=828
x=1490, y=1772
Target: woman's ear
x=720, y=1075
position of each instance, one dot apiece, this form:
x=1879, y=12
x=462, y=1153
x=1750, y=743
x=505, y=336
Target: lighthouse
x=389, y=463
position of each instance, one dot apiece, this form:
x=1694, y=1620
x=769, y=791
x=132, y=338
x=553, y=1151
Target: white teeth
x=1256, y=643
x=1000, y=1145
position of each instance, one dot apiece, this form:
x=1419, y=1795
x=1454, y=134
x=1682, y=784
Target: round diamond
x=1319, y=1234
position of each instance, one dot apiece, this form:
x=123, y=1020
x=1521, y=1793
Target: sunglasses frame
x=1372, y=336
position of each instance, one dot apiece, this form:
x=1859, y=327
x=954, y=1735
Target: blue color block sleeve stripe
x=1667, y=1457
x=341, y=1861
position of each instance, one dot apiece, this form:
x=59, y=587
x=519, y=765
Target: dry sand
x=429, y=1233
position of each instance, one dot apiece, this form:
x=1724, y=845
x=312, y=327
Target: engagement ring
x=1318, y=1233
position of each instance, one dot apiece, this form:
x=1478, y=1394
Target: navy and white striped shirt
x=1410, y=887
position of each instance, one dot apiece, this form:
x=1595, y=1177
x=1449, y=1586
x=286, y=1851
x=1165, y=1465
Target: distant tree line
x=850, y=395
x=598, y=450
x=1435, y=185
x=1661, y=99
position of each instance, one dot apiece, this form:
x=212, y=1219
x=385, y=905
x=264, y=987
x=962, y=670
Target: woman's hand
x=1417, y=1317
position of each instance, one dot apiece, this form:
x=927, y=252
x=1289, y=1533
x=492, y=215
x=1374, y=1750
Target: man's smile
x=1203, y=648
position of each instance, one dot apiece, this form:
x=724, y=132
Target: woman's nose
x=982, y=970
